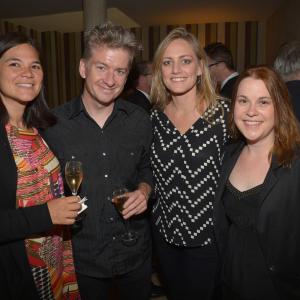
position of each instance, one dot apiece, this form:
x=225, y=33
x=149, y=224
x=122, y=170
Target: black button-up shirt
x=117, y=154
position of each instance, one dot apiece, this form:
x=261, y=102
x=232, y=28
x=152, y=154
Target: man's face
x=214, y=70
x=105, y=73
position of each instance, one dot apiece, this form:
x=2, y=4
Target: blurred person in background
x=287, y=64
x=221, y=67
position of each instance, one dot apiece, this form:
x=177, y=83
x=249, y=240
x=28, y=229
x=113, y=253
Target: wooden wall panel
x=61, y=52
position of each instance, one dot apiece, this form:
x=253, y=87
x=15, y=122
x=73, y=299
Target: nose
x=110, y=78
x=252, y=111
x=27, y=72
x=175, y=67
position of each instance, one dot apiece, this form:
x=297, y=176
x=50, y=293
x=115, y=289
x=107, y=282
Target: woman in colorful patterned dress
x=187, y=151
x=36, y=259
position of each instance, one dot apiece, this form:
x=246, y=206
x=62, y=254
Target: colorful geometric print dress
x=39, y=180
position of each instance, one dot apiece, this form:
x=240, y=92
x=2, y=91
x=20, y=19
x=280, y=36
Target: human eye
x=14, y=64
x=36, y=67
x=166, y=62
x=121, y=72
x=186, y=61
x=264, y=102
x=242, y=101
x=101, y=68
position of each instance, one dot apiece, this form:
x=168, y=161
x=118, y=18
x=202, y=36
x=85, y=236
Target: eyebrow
x=181, y=56
x=19, y=60
x=106, y=65
x=260, y=98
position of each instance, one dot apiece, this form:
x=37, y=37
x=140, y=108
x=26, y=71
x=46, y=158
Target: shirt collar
x=77, y=107
x=232, y=75
x=146, y=95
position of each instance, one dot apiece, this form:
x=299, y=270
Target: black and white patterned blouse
x=186, y=169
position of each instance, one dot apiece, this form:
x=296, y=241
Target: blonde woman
x=187, y=151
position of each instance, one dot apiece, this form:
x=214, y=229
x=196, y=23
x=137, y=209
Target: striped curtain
x=61, y=52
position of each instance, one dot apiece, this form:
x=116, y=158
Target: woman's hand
x=63, y=211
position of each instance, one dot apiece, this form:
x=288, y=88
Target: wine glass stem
x=127, y=225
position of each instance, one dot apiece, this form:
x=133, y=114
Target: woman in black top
x=258, y=200
x=187, y=151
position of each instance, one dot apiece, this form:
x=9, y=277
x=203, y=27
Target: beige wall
x=282, y=26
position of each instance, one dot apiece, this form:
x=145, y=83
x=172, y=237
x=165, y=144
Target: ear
x=82, y=68
x=200, y=68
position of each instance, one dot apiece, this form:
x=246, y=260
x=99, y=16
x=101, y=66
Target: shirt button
x=272, y=268
x=104, y=154
x=111, y=219
x=114, y=238
x=105, y=175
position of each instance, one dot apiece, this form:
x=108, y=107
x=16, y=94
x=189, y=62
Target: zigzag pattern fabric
x=186, y=169
x=39, y=180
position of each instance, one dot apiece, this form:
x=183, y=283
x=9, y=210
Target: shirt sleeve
x=144, y=166
x=18, y=224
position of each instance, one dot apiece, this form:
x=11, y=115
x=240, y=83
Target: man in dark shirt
x=111, y=138
x=221, y=68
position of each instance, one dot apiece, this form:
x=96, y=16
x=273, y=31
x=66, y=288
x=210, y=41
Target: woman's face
x=180, y=67
x=21, y=75
x=254, y=112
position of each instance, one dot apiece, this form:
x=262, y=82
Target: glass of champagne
x=119, y=197
x=73, y=175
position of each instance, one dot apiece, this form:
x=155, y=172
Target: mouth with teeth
x=178, y=79
x=26, y=85
x=248, y=122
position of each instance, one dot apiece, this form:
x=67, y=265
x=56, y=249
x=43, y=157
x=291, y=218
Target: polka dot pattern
x=186, y=168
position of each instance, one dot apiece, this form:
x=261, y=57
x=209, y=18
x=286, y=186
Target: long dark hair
x=37, y=113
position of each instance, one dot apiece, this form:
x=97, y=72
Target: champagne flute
x=73, y=175
x=119, y=197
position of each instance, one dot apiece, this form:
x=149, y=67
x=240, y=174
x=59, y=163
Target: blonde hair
x=159, y=95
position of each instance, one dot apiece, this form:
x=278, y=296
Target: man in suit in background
x=140, y=78
x=221, y=67
x=287, y=64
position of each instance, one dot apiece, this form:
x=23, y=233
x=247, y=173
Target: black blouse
x=186, y=168
x=245, y=272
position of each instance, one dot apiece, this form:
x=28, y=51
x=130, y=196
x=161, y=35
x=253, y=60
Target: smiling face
x=254, y=112
x=180, y=68
x=105, y=73
x=21, y=75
